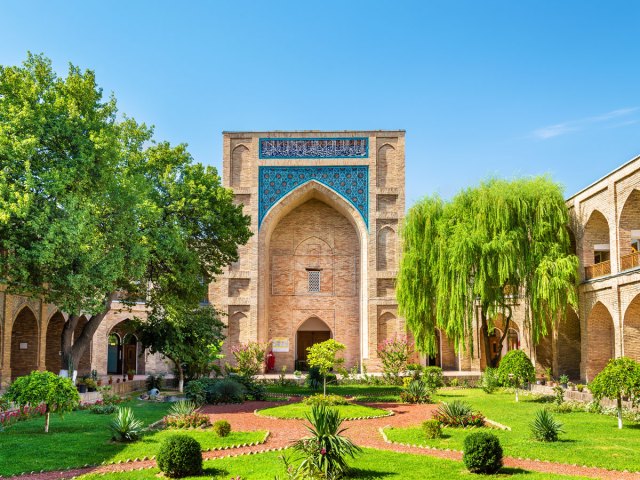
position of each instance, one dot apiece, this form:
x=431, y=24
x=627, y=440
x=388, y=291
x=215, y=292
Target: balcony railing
x=627, y=262
x=598, y=270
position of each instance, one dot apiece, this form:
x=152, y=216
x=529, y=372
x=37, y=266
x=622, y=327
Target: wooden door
x=130, y=352
x=307, y=339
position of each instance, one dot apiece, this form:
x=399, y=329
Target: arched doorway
x=114, y=354
x=130, y=353
x=84, y=365
x=596, y=249
x=436, y=359
x=629, y=232
x=312, y=331
x=24, y=344
x=631, y=330
x=53, y=355
x=600, y=340
x=569, y=349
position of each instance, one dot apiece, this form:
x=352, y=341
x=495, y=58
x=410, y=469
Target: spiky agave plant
x=125, y=427
x=544, y=427
x=182, y=408
x=326, y=450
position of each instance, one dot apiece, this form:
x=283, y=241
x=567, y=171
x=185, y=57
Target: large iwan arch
x=600, y=340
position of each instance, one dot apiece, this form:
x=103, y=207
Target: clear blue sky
x=482, y=87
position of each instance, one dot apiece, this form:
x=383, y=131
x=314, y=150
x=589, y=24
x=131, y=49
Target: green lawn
x=300, y=410
x=372, y=464
x=83, y=438
x=590, y=439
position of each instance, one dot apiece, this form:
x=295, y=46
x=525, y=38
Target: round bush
x=222, y=428
x=482, y=453
x=180, y=456
x=432, y=429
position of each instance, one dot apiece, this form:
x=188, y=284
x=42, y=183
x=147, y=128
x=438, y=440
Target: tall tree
x=477, y=253
x=93, y=207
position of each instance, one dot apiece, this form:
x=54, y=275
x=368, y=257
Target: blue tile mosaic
x=350, y=182
x=280, y=148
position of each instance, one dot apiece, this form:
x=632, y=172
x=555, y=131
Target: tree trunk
x=484, y=329
x=517, y=399
x=180, y=377
x=74, y=348
x=324, y=385
x=619, y=411
x=46, y=421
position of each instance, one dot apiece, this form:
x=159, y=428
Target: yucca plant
x=416, y=392
x=326, y=450
x=458, y=414
x=544, y=427
x=182, y=408
x=125, y=427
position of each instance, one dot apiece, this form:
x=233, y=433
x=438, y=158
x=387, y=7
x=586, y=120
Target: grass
x=372, y=464
x=83, y=438
x=390, y=392
x=590, y=439
x=300, y=410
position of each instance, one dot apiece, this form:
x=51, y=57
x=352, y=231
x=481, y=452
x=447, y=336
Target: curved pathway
x=365, y=433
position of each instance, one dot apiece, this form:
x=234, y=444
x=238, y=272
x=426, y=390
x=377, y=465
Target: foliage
x=192, y=338
x=621, y=377
x=516, y=369
x=433, y=377
x=253, y=389
x=482, y=246
x=222, y=428
x=559, y=395
x=109, y=398
x=249, y=358
x=314, y=378
x=180, y=456
x=458, y=414
x=323, y=356
x=102, y=409
x=226, y=390
x=198, y=390
x=489, y=382
x=326, y=450
x=482, y=453
x=58, y=394
x=544, y=427
x=182, y=407
x=125, y=427
x=416, y=392
x=394, y=354
x=154, y=381
x=432, y=428
x=564, y=379
x=328, y=400
x=111, y=212
x=190, y=420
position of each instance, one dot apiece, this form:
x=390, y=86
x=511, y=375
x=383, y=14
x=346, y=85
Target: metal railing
x=627, y=262
x=598, y=270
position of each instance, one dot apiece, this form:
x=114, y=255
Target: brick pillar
x=42, y=341
x=5, y=373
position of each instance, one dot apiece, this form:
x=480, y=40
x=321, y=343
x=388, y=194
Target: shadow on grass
x=451, y=395
x=513, y=471
x=368, y=474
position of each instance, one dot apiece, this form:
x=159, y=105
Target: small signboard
x=280, y=344
x=23, y=346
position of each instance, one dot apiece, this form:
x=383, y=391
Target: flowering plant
x=394, y=354
x=249, y=358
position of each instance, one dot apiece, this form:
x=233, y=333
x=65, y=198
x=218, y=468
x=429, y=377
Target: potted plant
x=564, y=380
x=82, y=386
x=572, y=386
x=580, y=387
x=130, y=374
x=91, y=384
x=110, y=379
x=547, y=376
x=117, y=380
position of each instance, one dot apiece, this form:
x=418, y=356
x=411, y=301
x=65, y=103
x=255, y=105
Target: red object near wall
x=271, y=361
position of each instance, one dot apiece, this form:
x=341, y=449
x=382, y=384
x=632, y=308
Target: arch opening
x=600, y=340
x=24, y=344
x=629, y=232
x=596, y=249
x=631, y=330
x=313, y=330
x=53, y=355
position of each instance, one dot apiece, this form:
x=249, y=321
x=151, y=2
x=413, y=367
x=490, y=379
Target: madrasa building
x=325, y=209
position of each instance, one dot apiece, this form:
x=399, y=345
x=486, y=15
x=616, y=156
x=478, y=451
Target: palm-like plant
x=326, y=450
x=182, y=408
x=545, y=428
x=125, y=427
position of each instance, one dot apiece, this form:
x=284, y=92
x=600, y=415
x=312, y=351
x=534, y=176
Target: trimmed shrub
x=227, y=391
x=329, y=400
x=482, y=453
x=544, y=427
x=102, y=409
x=416, y=392
x=180, y=456
x=253, y=389
x=192, y=420
x=432, y=429
x=433, y=378
x=199, y=391
x=125, y=427
x=222, y=428
x=458, y=414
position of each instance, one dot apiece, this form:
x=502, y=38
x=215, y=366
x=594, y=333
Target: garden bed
x=301, y=410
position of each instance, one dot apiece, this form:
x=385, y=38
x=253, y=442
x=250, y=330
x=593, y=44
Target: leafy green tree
x=57, y=394
x=621, y=377
x=515, y=370
x=249, y=358
x=488, y=245
x=323, y=356
x=192, y=339
x=93, y=209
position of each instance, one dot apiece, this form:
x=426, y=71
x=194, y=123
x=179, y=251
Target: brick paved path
x=364, y=433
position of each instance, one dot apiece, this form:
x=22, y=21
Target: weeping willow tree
x=490, y=246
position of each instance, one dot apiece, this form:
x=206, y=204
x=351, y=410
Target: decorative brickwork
x=600, y=340
x=632, y=330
